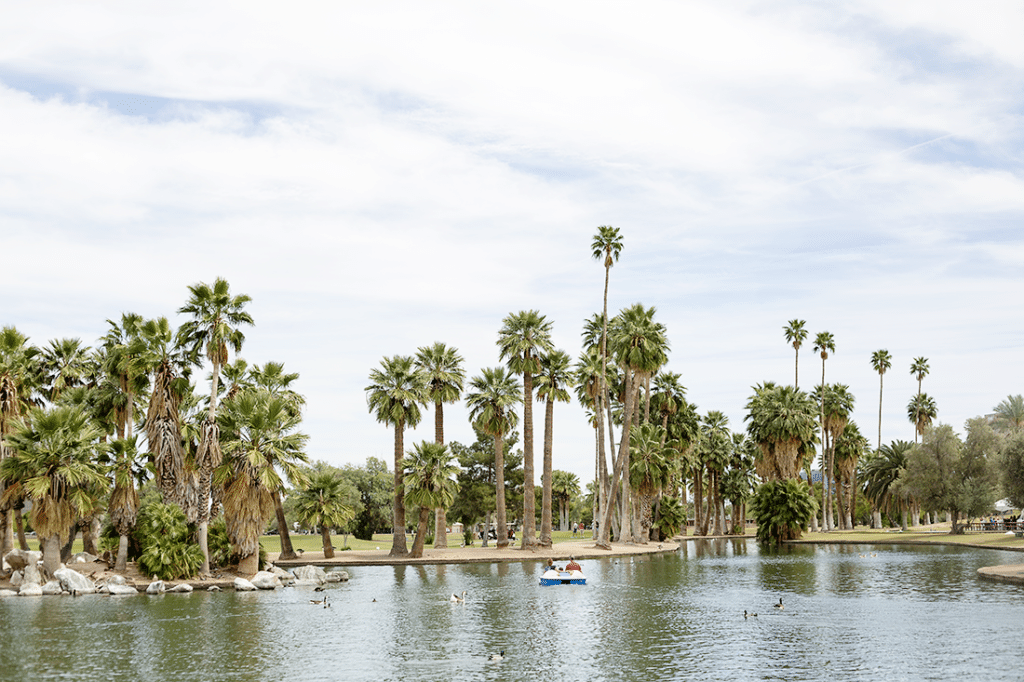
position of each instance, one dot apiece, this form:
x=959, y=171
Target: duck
x=749, y=615
x=319, y=602
x=779, y=606
x=319, y=588
x=455, y=599
x=497, y=657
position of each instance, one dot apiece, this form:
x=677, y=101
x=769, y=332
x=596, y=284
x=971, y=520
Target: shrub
x=167, y=550
x=782, y=509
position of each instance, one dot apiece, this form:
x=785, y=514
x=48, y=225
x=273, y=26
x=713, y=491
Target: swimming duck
x=779, y=606
x=497, y=657
x=749, y=615
x=456, y=598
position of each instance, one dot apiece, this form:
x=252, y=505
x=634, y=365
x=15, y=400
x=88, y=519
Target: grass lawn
x=313, y=543
x=993, y=540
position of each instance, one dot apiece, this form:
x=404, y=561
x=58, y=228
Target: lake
x=852, y=612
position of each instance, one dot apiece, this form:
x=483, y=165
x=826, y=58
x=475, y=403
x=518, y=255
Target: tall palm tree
x=53, y=458
x=921, y=411
x=782, y=425
x=66, y=364
x=446, y=378
x=429, y=484
x=523, y=338
x=124, y=498
x=714, y=451
x=215, y=324
x=552, y=381
x=649, y=472
x=19, y=373
x=394, y=396
x=606, y=246
x=491, y=401
x=824, y=343
x=564, y=486
x=881, y=361
x=882, y=475
x=837, y=405
x=1009, y=414
x=918, y=368
x=796, y=335
x=589, y=381
x=640, y=346
x=321, y=504
x=848, y=447
x=260, y=438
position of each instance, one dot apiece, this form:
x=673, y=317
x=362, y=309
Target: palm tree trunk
x=51, y=555
x=604, y=541
x=282, y=527
x=796, y=368
x=325, y=537
x=499, y=477
x=441, y=515
x=880, y=375
x=698, y=495
x=121, y=565
x=249, y=565
x=529, y=539
x=421, y=534
x=6, y=532
x=398, y=545
x=20, y=526
x=545, y=512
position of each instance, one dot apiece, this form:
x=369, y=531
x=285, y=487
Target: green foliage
x=782, y=510
x=218, y=543
x=672, y=518
x=167, y=552
x=1011, y=469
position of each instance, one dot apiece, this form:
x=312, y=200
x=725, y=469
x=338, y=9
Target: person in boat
x=572, y=565
x=551, y=565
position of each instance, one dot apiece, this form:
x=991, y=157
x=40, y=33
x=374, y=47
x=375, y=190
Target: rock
x=17, y=559
x=243, y=585
x=31, y=590
x=8, y=593
x=116, y=590
x=337, y=576
x=74, y=582
x=284, y=576
x=52, y=587
x=156, y=587
x=181, y=587
x=83, y=558
x=116, y=580
x=17, y=578
x=265, y=580
x=307, y=575
x=213, y=588
x=31, y=572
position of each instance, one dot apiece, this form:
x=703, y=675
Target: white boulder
x=156, y=587
x=181, y=588
x=265, y=580
x=8, y=593
x=115, y=590
x=30, y=590
x=243, y=585
x=52, y=587
x=310, y=575
x=337, y=576
x=74, y=582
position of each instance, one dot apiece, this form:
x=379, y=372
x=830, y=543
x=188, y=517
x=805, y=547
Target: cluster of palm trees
x=71, y=448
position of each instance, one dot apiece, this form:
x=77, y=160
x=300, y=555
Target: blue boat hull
x=563, y=578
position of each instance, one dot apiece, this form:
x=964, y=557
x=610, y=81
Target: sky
x=381, y=176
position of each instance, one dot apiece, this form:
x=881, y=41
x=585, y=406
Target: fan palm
x=882, y=472
x=65, y=363
x=493, y=396
x=394, y=396
x=921, y=411
x=588, y=380
x=919, y=369
x=564, y=487
x=824, y=343
x=552, y=381
x=430, y=484
x=881, y=361
x=781, y=423
x=446, y=378
x=837, y=405
x=124, y=498
x=523, y=338
x=649, y=471
x=53, y=458
x=260, y=438
x=19, y=372
x=321, y=504
x=796, y=335
x=1009, y=414
x=848, y=448
x=215, y=325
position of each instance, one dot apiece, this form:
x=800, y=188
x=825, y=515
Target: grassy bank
x=932, y=535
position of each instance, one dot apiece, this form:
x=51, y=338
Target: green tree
x=215, y=324
x=53, y=459
x=565, y=487
x=523, y=338
x=445, y=382
x=883, y=475
x=921, y=411
x=781, y=423
x=552, y=383
x=260, y=437
x=881, y=361
x=919, y=369
x=824, y=343
x=19, y=373
x=374, y=498
x=65, y=363
x=491, y=403
x=1009, y=414
x=1010, y=466
x=837, y=405
x=847, y=449
x=429, y=484
x=394, y=396
x=782, y=509
x=124, y=498
x=321, y=504
x=649, y=472
x=795, y=336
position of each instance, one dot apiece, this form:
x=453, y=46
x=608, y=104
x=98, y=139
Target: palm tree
x=429, y=484
x=881, y=361
x=714, y=450
x=321, y=504
x=18, y=379
x=918, y=368
x=564, y=486
x=126, y=365
x=837, y=405
x=260, y=437
x=848, y=448
x=551, y=387
x=53, y=458
x=445, y=380
x=491, y=403
x=522, y=339
x=640, y=346
x=216, y=318
x=1009, y=414
x=796, y=335
x=124, y=498
x=649, y=471
x=921, y=411
x=824, y=343
x=589, y=381
x=781, y=423
x=882, y=476
x=65, y=363
x=394, y=396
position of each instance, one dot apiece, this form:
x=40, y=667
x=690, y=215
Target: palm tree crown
x=796, y=335
x=442, y=367
x=881, y=361
x=1009, y=413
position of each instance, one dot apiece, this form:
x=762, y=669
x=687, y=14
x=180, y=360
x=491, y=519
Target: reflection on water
x=852, y=612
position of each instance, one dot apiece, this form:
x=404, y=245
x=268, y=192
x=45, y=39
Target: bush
x=467, y=536
x=218, y=543
x=782, y=509
x=167, y=550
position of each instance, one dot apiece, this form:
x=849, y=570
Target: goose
x=318, y=602
x=749, y=615
x=779, y=606
x=456, y=598
x=319, y=588
x=497, y=657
